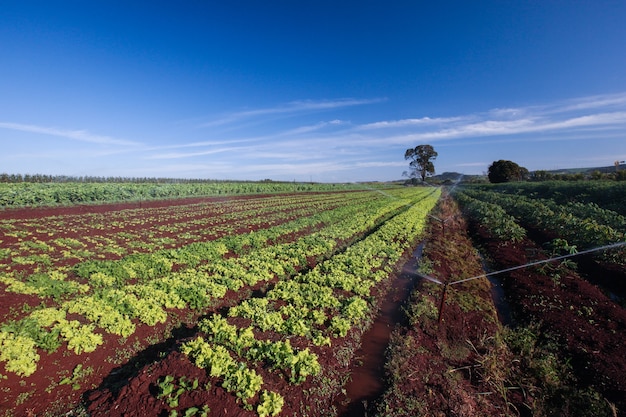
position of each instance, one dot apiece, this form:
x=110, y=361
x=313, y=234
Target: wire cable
x=557, y=258
x=544, y=261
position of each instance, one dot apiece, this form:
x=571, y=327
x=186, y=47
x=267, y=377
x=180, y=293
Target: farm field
x=270, y=288
x=258, y=305
x=575, y=305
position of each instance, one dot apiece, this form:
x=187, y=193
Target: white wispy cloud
x=334, y=147
x=198, y=144
x=387, y=124
x=79, y=135
x=312, y=128
x=300, y=106
x=591, y=102
x=572, y=117
x=181, y=155
x=337, y=145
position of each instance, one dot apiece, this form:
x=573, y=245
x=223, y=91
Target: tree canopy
x=422, y=157
x=506, y=171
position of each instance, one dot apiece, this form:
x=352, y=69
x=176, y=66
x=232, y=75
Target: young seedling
x=171, y=392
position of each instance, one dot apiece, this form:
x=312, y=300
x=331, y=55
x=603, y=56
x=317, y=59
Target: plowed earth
x=317, y=396
x=589, y=325
x=439, y=367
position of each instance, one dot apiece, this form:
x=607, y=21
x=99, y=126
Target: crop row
x=172, y=219
x=584, y=225
x=54, y=282
x=492, y=216
x=606, y=194
x=312, y=308
x=143, y=287
x=138, y=217
x=106, y=238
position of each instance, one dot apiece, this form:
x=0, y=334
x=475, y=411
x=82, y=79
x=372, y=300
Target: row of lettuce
x=50, y=194
x=148, y=288
x=313, y=308
x=34, y=245
x=585, y=225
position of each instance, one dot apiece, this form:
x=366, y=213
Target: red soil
x=38, y=212
x=314, y=397
x=589, y=325
x=431, y=365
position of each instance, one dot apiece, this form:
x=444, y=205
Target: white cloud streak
x=181, y=155
x=79, y=135
x=489, y=126
x=340, y=146
x=294, y=107
x=424, y=121
x=593, y=102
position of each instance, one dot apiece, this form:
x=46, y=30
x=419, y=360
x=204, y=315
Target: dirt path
x=427, y=361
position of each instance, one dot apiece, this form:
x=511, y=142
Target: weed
x=77, y=374
x=22, y=397
x=538, y=369
x=422, y=308
x=425, y=266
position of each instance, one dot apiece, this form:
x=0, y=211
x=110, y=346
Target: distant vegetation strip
x=41, y=178
x=52, y=194
x=610, y=195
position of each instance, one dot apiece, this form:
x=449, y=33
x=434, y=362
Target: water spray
x=556, y=258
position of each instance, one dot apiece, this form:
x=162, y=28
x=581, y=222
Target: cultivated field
x=265, y=291
x=574, y=306
x=265, y=304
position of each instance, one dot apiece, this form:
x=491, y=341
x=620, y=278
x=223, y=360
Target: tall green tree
x=422, y=157
x=506, y=171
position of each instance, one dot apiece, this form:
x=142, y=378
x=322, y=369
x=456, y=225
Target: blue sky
x=327, y=91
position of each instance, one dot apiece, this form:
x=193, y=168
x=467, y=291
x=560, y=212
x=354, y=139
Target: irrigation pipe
x=544, y=261
x=557, y=258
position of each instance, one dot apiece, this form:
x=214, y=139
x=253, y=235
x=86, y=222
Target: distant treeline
x=42, y=178
x=619, y=175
